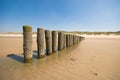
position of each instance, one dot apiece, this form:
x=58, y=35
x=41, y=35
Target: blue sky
x=68, y=15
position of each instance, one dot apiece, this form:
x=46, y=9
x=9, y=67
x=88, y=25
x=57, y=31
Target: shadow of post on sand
x=20, y=58
x=16, y=57
x=35, y=53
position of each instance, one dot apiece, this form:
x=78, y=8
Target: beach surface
x=94, y=58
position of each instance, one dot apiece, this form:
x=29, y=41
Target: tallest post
x=27, y=43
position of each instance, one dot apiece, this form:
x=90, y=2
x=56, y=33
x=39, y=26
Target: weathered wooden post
x=27, y=43
x=54, y=41
x=71, y=39
x=77, y=39
x=41, y=42
x=60, y=40
x=48, y=37
x=64, y=44
x=67, y=40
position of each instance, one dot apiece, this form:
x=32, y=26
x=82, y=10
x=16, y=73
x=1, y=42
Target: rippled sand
x=91, y=59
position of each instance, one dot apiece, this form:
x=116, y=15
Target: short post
x=70, y=43
x=77, y=39
x=64, y=41
x=67, y=40
x=48, y=37
x=54, y=41
x=60, y=40
x=27, y=43
x=71, y=39
x=41, y=42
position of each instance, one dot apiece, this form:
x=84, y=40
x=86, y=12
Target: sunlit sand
x=95, y=58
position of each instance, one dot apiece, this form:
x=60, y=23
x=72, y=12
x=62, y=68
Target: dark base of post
x=49, y=53
x=54, y=51
x=28, y=60
x=41, y=56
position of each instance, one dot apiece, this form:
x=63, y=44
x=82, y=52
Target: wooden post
x=71, y=39
x=60, y=40
x=27, y=43
x=64, y=44
x=41, y=42
x=48, y=37
x=77, y=39
x=67, y=40
x=54, y=41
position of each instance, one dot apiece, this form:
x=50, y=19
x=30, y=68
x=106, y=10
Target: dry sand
x=112, y=36
x=13, y=44
x=91, y=59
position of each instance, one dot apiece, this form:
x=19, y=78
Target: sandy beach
x=95, y=58
x=112, y=36
x=13, y=44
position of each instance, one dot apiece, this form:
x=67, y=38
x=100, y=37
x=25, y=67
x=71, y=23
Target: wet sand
x=91, y=59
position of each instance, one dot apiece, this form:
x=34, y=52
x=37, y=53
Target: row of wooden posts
x=48, y=42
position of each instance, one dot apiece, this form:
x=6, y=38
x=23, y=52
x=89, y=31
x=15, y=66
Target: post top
x=27, y=28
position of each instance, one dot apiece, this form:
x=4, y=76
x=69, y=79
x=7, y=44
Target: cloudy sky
x=68, y=15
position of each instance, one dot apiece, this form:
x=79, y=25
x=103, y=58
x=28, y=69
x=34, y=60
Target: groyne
x=48, y=42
